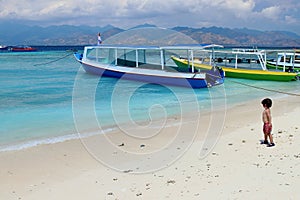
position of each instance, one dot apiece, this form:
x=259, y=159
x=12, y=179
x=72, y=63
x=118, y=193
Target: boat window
x=126, y=57
x=287, y=59
x=297, y=58
x=144, y=58
x=100, y=55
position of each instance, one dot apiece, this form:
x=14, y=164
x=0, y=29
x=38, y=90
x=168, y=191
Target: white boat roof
x=188, y=47
x=288, y=53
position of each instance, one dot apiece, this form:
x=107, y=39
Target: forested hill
x=18, y=34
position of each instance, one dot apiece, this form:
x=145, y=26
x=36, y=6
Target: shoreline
x=236, y=167
x=106, y=129
x=25, y=144
x=70, y=135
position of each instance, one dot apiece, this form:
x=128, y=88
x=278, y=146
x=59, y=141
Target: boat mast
x=136, y=58
x=236, y=61
x=162, y=59
x=97, y=54
x=192, y=57
x=294, y=57
x=284, y=61
x=116, y=57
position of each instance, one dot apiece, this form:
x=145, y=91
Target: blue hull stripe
x=163, y=80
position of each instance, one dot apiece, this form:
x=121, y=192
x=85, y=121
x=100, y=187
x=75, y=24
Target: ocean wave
x=52, y=140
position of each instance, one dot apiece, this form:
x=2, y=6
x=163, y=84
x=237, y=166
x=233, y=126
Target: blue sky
x=253, y=14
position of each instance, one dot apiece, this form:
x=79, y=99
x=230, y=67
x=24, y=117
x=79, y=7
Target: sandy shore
x=237, y=167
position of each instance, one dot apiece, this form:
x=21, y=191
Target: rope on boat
x=261, y=88
x=52, y=61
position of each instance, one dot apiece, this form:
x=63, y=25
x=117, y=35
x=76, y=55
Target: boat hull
x=3, y=48
x=22, y=49
x=277, y=76
x=243, y=73
x=163, y=80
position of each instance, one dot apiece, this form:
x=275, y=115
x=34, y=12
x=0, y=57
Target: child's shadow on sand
x=263, y=142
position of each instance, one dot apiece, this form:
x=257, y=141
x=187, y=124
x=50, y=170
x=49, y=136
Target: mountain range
x=19, y=34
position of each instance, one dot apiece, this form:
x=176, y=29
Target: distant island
x=86, y=35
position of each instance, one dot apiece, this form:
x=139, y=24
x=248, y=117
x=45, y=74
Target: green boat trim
x=240, y=73
x=280, y=67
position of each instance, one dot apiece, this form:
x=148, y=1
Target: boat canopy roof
x=288, y=53
x=188, y=47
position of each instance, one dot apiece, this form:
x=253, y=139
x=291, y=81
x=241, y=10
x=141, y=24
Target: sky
x=269, y=15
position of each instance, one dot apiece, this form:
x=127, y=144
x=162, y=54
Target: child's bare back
x=266, y=116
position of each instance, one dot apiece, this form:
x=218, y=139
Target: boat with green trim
x=237, y=72
x=286, y=61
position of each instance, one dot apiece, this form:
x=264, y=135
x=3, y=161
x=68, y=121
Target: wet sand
x=237, y=167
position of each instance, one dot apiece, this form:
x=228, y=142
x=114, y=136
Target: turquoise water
x=37, y=98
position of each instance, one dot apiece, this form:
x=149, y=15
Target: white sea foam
x=52, y=140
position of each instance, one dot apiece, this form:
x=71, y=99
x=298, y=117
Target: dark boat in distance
x=3, y=47
x=21, y=49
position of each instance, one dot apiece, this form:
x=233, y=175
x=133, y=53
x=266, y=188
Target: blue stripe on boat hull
x=194, y=83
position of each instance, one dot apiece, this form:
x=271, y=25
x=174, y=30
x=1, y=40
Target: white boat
x=3, y=47
x=147, y=64
x=286, y=61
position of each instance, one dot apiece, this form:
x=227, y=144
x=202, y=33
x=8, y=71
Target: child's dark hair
x=267, y=102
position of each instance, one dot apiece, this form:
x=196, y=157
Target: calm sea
x=41, y=92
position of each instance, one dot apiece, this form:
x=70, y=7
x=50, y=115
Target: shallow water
x=37, y=102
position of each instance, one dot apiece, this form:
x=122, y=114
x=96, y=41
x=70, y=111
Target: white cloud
x=271, y=12
x=127, y=13
x=291, y=20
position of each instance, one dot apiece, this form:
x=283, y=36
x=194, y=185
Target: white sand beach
x=238, y=167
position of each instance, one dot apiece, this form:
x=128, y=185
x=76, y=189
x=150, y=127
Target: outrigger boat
x=235, y=72
x=21, y=49
x=147, y=64
x=3, y=47
x=286, y=61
